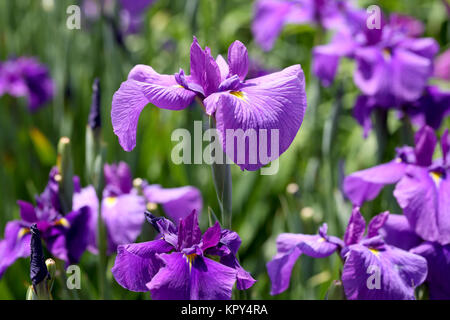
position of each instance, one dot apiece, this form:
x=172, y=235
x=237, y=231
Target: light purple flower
x=26, y=77
x=65, y=234
x=123, y=205
x=276, y=101
x=270, y=16
x=442, y=66
x=178, y=265
x=400, y=272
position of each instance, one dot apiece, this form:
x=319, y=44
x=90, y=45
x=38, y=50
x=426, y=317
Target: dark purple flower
x=398, y=232
x=400, y=272
x=272, y=102
x=178, y=265
x=122, y=206
x=270, y=16
x=26, y=77
x=65, y=235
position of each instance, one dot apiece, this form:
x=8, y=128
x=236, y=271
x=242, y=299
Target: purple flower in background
x=273, y=102
x=178, y=265
x=26, y=77
x=66, y=236
x=398, y=232
x=442, y=66
x=423, y=185
x=400, y=272
x=270, y=16
x=122, y=206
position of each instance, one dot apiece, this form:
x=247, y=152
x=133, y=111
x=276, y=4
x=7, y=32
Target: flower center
x=110, y=201
x=190, y=258
x=239, y=94
x=437, y=177
x=62, y=222
x=374, y=251
x=22, y=232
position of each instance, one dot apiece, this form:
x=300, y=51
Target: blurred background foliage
x=302, y=195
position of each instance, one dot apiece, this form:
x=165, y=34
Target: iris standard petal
x=355, y=228
x=238, y=59
x=27, y=212
x=196, y=278
x=425, y=140
x=189, y=233
x=136, y=263
x=265, y=109
x=144, y=86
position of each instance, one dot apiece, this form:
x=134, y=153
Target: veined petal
x=238, y=59
x=223, y=67
x=355, y=228
x=189, y=232
x=15, y=245
x=397, y=232
x=425, y=141
x=366, y=184
x=425, y=199
x=376, y=224
x=136, y=263
x=391, y=274
x=262, y=110
x=198, y=279
x=123, y=216
x=178, y=203
x=144, y=86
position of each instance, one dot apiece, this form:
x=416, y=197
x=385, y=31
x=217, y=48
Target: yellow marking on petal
x=437, y=177
x=22, y=232
x=322, y=240
x=151, y=206
x=178, y=86
x=190, y=258
x=387, y=54
x=110, y=201
x=374, y=251
x=239, y=94
x=62, y=222
x=398, y=160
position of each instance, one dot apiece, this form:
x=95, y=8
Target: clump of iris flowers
x=275, y=101
x=422, y=185
x=26, y=77
x=64, y=233
x=123, y=204
x=180, y=263
x=364, y=256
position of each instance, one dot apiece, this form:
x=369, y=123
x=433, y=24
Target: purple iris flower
x=65, y=235
x=122, y=206
x=270, y=16
x=179, y=265
x=398, y=232
x=26, y=77
x=399, y=271
x=131, y=12
x=422, y=185
x=276, y=101
x=391, y=65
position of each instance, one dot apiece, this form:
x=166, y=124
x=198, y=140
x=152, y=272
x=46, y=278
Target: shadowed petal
x=397, y=232
x=189, y=232
x=200, y=279
x=136, y=263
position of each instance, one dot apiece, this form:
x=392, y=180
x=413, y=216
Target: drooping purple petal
x=438, y=259
x=196, y=278
x=136, y=263
x=144, y=86
x=424, y=197
x=123, y=216
x=389, y=274
x=366, y=184
x=265, y=108
x=15, y=245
